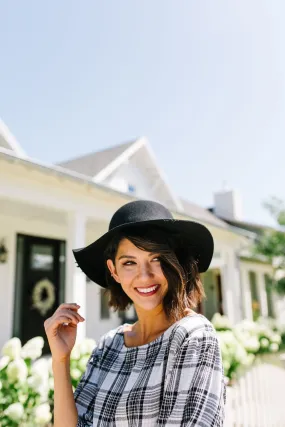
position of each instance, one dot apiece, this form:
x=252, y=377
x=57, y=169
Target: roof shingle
x=91, y=164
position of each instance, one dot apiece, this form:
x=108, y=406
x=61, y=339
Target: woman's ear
x=112, y=270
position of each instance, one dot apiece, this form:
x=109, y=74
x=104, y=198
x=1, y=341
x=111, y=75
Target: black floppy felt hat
x=150, y=214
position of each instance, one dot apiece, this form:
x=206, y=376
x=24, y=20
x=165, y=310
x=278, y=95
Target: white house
x=46, y=210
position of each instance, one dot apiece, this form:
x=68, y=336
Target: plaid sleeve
x=194, y=391
x=84, y=392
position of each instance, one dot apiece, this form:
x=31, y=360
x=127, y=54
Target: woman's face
x=140, y=275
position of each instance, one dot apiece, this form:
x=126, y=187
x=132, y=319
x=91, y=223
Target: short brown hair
x=185, y=288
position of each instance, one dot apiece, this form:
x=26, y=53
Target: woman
x=165, y=369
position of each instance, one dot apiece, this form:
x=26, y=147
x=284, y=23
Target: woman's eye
x=128, y=263
x=156, y=259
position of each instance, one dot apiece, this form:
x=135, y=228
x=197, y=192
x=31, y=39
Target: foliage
x=26, y=381
x=270, y=243
x=23, y=385
x=240, y=344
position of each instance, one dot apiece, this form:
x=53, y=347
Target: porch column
x=232, y=303
x=75, y=288
x=262, y=294
x=228, y=306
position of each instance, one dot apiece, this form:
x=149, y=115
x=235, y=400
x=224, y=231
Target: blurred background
x=102, y=103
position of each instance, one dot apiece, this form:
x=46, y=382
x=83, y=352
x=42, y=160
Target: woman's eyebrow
x=133, y=257
x=127, y=256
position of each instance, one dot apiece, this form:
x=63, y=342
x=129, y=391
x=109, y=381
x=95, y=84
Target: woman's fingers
x=70, y=306
x=70, y=313
x=63, y=319
x=73, y=307
x=64, y=315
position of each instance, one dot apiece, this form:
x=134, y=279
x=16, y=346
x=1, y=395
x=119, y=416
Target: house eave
x=83, y=179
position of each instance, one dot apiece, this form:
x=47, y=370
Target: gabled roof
x=100, y=165
x=202, y=214
x=93, y=163
x=9, y=142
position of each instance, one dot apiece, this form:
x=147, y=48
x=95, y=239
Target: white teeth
x=146, y=291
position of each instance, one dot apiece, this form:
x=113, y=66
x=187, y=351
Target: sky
x=204, y=81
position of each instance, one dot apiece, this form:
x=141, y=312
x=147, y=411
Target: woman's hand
x=61, y=329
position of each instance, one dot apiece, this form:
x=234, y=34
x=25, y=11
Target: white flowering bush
x=26, y=381
x=259, y=337
x=234, y=355
x=23, y=384
x=240, y=344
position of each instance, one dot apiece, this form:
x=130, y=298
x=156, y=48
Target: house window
x=254, y=295
x=131, y=188
x=105, y=312
x=269, y=294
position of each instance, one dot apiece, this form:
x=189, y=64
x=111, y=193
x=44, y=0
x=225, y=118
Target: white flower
x=33, y=348
x=75, y=352
x=221, y=322
x=40, y=367
x=17, y=371
x=35, y=382
x=22, y=397
x=75, y=373
x=249, y=359
x=82, y=363
x=39, y=379
x=87, y=346
x=251, y=344
x=12, y=348
x=15, y=412
x=4, y=362
x=49, y=362
x=274, y=347
x=264, y=342
x=276, y=338
x=42, y=414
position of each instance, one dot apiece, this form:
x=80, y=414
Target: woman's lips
x=147, y=294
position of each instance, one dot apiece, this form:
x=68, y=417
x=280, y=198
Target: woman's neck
x=150, y=323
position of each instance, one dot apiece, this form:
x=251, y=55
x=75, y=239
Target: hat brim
x=193, y=234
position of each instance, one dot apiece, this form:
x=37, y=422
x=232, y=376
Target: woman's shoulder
x=189, y=327
x=108, y=338
x=195, y=326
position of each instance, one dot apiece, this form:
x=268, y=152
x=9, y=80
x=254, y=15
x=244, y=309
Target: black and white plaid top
x=175, y=380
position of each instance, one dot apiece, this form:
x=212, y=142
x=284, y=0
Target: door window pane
x=41, y=257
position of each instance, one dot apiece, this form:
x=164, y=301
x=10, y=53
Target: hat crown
x=138, y=211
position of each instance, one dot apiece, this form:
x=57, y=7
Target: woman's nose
x=145, y=272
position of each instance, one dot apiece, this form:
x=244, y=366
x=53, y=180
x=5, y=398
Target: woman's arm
x=65, y=412
x=194, y=392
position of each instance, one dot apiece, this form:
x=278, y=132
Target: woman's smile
x=151, y=290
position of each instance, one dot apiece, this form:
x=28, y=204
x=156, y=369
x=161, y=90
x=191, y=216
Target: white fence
x=258, y=398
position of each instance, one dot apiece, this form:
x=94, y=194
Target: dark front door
x=39, y=285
